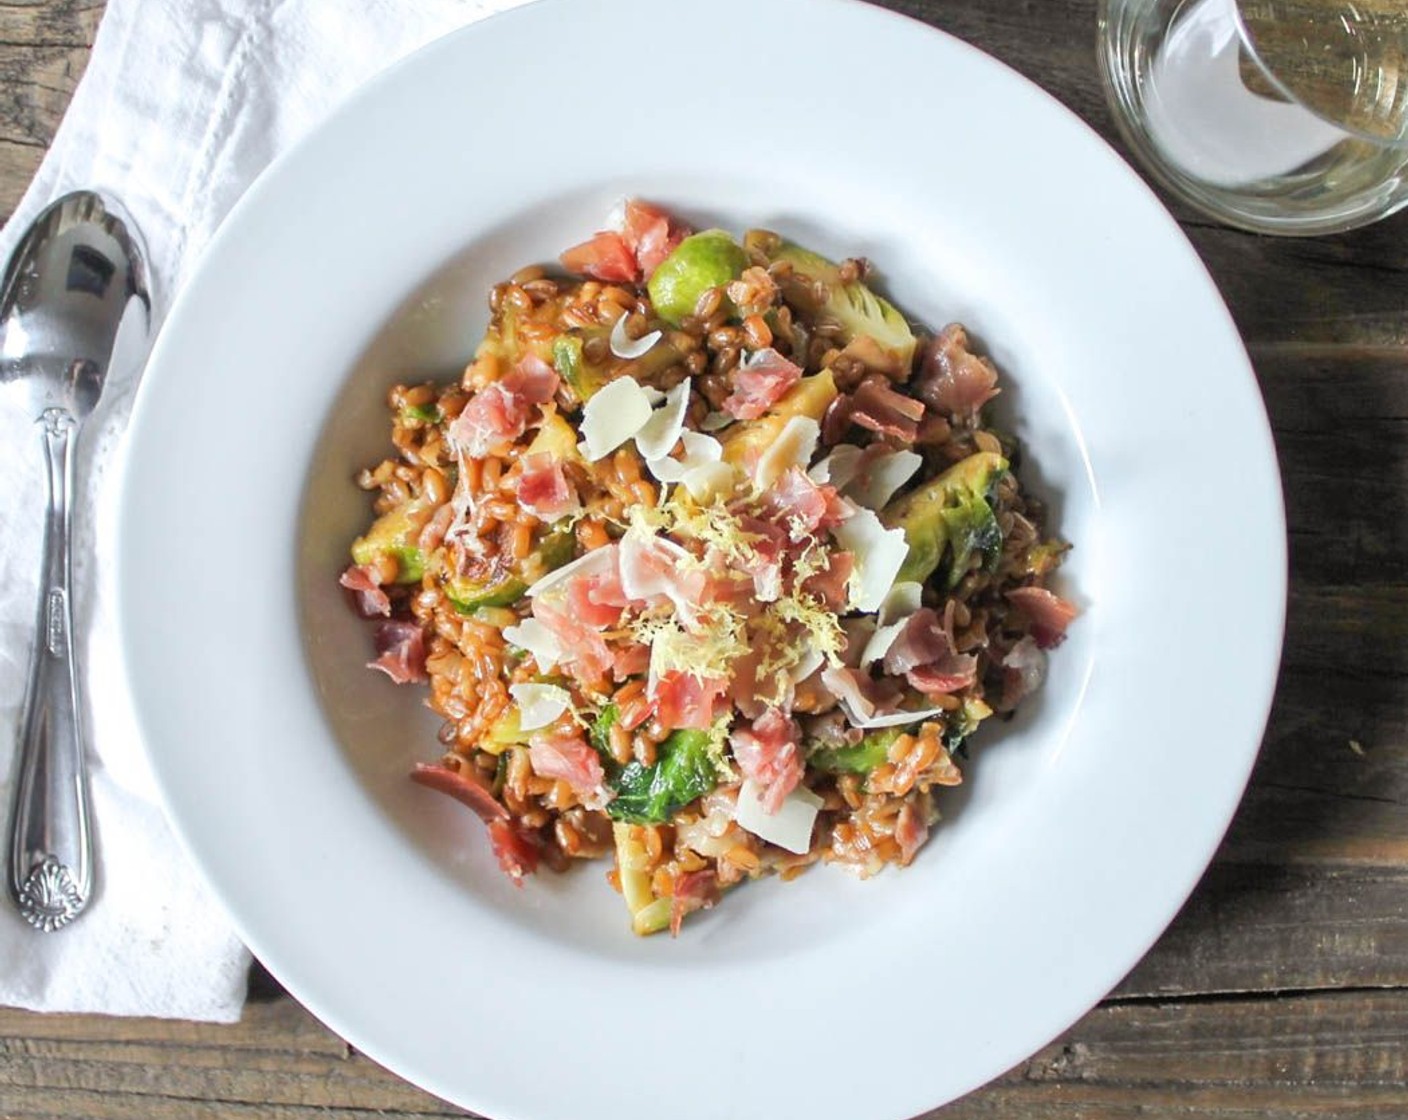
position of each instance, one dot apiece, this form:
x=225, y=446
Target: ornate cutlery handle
x=51, y=841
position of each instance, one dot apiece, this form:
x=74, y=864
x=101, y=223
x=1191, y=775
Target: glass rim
x=1248, y=44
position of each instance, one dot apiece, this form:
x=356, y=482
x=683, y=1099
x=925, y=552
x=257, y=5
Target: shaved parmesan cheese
x=715, y=421
x=890, y=719
x=537, y=639
x=902, y=601
x=853, y=701
x=598, y=560
x=650, y=566
x=838, y=468
x=623, y=346
x=879, y=553
x=812, y=660
x=698, y=450
x=614, y=414
x=790, y=827
x=662, y=431
x=616, y=216
x=881, y=641
x=878, y=480
x=793, y=447
x=709, y=480
x=539, y=704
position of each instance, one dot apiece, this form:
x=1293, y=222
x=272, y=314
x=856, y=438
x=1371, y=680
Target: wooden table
x=1281, y=992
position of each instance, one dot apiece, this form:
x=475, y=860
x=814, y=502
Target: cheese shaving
x=709, y=480
x=539, y=704
x=838, y=468
x=878, y=480
x=614, y=414
x=598, y=560
x=699, y=450
x=790, y=827
x=895, y=612
x=890, y=719
x=623, y=346
x=662, y=431
x=879, y=553
x=793, y=447
x=537, y=639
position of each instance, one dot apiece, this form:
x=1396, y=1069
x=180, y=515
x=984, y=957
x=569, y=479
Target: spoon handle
x=51, y=840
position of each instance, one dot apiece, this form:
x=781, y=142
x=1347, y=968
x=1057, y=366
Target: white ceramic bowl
x=365, y=255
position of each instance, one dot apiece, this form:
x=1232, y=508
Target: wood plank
x=43, y=49
x=1296, y=1057
x=1291, y=1057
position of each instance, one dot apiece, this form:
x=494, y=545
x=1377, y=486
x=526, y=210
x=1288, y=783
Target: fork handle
x=51, y=839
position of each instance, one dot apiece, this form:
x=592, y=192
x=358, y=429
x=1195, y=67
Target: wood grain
x=1281, y=991
x=43, y=48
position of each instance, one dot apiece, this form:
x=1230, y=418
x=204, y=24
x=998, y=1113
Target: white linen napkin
x=183, y=103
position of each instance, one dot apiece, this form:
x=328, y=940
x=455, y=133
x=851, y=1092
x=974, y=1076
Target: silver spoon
x=70, y=285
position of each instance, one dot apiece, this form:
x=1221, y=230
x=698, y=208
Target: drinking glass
x=1279, y=116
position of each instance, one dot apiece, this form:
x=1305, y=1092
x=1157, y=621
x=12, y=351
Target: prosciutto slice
x=686, y=700
x=543, y=489
x=587, y=653
x=400, y=648
x=1049, y=614
x=364, y=583
x=803, y=505
x=499, y=413
x=952, y=379
x=759, y=383
x=769, y=752
x=606, y=256
x=650, y=234
x=569, y=759
x=464, y=788
x=878, y=406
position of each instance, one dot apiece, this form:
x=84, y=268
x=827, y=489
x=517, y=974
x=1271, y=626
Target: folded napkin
x=183, y=103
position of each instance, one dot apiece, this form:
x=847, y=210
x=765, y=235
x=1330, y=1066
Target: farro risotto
x=710, y=563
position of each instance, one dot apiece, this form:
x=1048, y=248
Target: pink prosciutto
x=464, y=788
x=650, y=234
x=769, y=753
x=693, y=890
x=953, y=380
x=568, y=758
x=956, y=672
x=532, y=380
x=365, y=584
x=588, y=656
x=499, y=413
x=759, y=383
x=606, y=256
x=543, y=489
x=686, y=700
x=911, y=831
x=653, y=569
x=516, y=848
x=804, y=506
x=924, y=639
x=1049, y=614
x=879, y=407
x=596, y=599
x=400, y=649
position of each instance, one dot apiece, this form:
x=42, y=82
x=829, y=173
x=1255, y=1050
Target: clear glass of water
x=1279, y=116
